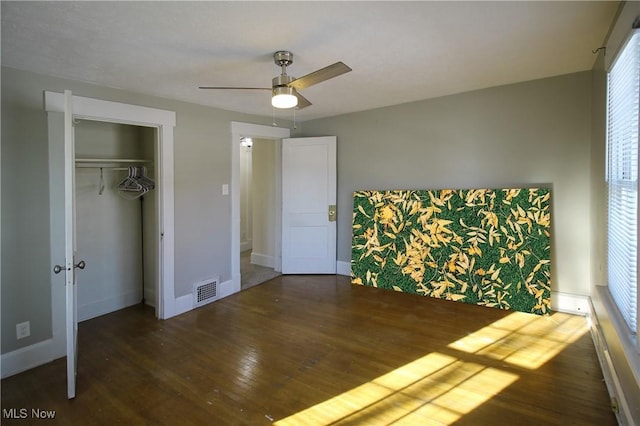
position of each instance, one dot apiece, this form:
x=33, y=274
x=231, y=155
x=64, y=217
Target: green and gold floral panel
x=489, y=247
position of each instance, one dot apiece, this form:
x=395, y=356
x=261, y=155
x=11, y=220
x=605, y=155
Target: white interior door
x=309, y=205
x=69, y=247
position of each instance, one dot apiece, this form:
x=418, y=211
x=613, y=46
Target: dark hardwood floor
x=304, y=350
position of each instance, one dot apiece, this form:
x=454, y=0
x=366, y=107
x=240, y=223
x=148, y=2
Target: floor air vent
x=205, y=292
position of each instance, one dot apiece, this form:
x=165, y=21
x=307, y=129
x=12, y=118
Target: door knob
x=59, y=268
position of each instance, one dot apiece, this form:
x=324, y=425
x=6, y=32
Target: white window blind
x=623, y=95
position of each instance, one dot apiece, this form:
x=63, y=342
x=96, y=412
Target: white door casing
x=309, y=181
x=64, y=316
x=164, y=121
x=239, y=130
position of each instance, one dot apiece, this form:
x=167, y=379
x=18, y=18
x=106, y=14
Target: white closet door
x=70, y=243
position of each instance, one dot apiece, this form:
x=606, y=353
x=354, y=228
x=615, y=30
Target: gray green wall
x=25, y=293
x=535, y=133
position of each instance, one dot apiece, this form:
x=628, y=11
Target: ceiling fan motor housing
x=282, y=80
x=283, y=58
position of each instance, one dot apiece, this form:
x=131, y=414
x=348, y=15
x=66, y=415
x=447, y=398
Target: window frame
x=618, y=317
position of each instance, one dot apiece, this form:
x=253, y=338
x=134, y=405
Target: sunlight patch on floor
x=524, y=340
x=421, y=392
x=439, y=389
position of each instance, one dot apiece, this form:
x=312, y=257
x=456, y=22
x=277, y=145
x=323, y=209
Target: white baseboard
x=150, y=297
x=611, y=378
x=570, y=303
x=28, y=357
x=343, y=268
x=184, y=304
x=245, y=245
x=262, y=260
x=236, y=284
x=101, y=307
x=226, y=289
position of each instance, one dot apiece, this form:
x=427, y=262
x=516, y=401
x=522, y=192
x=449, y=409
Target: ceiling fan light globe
x=284, y=97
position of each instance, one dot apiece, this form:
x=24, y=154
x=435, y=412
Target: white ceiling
x=399, y=51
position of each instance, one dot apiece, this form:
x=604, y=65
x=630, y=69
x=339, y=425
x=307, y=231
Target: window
x=623, y=94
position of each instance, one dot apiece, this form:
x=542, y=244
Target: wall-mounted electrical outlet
x=23, y=330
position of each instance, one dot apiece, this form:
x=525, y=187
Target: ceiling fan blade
x=302, y=101
x=319, y=76
x=235, y=88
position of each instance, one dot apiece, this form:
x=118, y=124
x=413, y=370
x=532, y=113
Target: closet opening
x=116, y=216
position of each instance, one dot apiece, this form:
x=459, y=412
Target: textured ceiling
x=399, y=51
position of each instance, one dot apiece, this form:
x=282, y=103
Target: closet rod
x=78, y=166
x=111, y=160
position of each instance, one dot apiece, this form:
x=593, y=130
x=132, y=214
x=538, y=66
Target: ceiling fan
x=285, y=87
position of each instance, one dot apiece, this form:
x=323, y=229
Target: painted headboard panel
x=489, y=247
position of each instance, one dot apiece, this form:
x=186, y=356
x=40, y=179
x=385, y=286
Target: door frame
x=164, y=121
x=239, y=130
